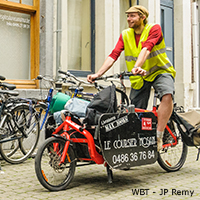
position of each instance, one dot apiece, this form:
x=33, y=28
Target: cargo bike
x=124, y=139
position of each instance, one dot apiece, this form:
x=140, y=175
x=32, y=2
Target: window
x=15, y=44
x=27, y=2
x=19, y=39
x=81, y=24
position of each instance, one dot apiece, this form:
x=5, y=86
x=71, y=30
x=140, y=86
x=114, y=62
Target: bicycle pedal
x=3, y=136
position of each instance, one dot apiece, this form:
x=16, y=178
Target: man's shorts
x=163, y=84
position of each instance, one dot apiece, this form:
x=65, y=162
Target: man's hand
x=138, y=70
x=91, y=77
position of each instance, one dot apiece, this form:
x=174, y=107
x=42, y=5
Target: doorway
x=167, y=25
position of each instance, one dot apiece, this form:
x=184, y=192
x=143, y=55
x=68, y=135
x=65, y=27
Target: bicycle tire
x=50, y=174
x=24, y=146
x=172, y=158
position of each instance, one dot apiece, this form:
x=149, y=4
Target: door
x=167, y=25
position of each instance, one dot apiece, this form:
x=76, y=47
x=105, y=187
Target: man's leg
x=140, y=97
x=164, y=86
x=164, y=113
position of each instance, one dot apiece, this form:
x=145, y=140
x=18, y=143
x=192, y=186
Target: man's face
x=134, y=20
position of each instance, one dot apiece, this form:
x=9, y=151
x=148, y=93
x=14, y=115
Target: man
x=145, y=54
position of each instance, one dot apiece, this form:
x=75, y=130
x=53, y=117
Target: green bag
x=58, y=102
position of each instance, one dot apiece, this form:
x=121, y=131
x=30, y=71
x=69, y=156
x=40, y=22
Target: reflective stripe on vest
x=151, y=55
x=156, y=63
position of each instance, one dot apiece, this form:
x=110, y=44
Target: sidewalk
x=90, y=182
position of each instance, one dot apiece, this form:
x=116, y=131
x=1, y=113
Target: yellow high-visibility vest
x=156, y=63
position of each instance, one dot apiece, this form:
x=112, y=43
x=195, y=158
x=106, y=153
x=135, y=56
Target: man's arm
x=108, y=63
x=118, y=48
x=140, y=61
x=154, y=38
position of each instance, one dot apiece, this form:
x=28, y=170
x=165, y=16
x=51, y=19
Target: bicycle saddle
x=9, y=92
x=2, y=78
x=8, y=85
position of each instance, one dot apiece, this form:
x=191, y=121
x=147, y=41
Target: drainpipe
x=195, y=49
x=130, y=2
x=58, y=37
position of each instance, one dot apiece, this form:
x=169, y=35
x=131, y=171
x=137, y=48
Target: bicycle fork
x=173, y=136
x=66, y=136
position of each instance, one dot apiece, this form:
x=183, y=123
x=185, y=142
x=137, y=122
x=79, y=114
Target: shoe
x=125, y=168
x=159, y=144
x=62, y=114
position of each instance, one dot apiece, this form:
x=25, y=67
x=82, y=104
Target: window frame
x=34, y=12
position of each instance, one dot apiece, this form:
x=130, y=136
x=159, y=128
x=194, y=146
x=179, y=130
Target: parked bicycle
x=75, y=86
x=19, y=127
x=74, y=89
x=46, y=108
x=6, y=86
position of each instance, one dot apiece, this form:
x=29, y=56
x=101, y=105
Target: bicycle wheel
x=16, y=150
x=50, y=173
x=172, y=158
x=14, y=144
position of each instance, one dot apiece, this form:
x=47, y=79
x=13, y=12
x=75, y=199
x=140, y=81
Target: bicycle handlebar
x=115, y=76
x=40, y=77
x=68, y=74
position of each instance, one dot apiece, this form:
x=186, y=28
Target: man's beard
x=135, y=26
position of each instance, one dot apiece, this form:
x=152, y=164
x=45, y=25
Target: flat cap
x=138, y=8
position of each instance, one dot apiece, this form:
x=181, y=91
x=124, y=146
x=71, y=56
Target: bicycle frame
x=68, y=124
x=65, y=126
x=4, y=111
x=11, y=127
x=125, y=139
x=49, y=98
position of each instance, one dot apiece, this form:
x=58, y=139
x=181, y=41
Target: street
x=90, y=182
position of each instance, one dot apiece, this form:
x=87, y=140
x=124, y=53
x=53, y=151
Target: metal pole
x=58, y=36
x=92, y=35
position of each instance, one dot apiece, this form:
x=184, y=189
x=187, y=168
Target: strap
x=112, y=99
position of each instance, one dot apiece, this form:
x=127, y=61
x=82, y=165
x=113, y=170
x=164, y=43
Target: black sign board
x=128, y=139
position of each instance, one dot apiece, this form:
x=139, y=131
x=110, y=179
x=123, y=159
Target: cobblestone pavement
x=90, y=182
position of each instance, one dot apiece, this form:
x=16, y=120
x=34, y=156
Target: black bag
x=103, y=102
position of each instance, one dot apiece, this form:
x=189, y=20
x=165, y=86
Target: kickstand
x=1, y=171
x=110, y=174
x=198, y=154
